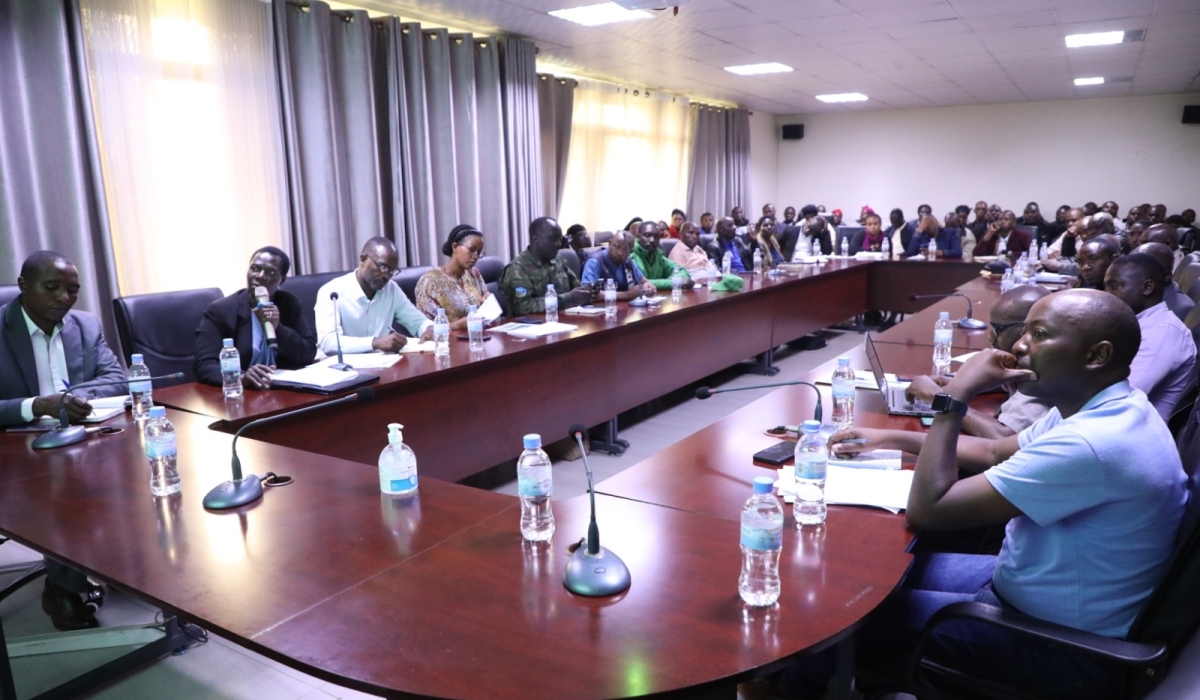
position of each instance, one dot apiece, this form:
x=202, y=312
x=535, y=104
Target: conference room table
x=436, y=594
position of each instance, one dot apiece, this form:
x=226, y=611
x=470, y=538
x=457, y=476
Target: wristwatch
x=945, y=403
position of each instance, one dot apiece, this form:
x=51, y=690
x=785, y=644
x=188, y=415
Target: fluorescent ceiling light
x=595, y=15
x=759, y=68
x=1097, y=39
x=843, y=97
x=1089, y=81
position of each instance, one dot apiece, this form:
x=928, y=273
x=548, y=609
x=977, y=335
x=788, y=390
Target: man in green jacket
x=649, y=258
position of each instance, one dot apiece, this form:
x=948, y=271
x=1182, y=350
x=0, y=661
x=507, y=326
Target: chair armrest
x=1119, y=650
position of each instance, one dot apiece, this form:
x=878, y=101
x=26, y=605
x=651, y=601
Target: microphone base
x=595, y=576
x=232, y=494
x=973, y=324
x=342, y=367
x=60, y=437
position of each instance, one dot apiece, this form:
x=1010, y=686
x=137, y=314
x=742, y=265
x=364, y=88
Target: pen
x=853, y=441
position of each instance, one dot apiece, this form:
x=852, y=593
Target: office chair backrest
x=667, y=244
x=304, y=288
x=408, y=278
x=1031, y=230
x=707, y=238
x=602, y=237
x=8, y=292
x=490, y=267
x=847, y=233
x=572, y=259
x=1183, y=265
x=1189, y=275
x=162, y=327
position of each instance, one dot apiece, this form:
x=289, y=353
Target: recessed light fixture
x=1089, y=81
x=595, y=15
x=843, y=97
x=759, y=68
x=1096, y=39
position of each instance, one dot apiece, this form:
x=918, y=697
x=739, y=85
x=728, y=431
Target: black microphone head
x=704, y=392
x=175, y=375
x=365, y=393
x=577, y=430
x=912, y=297
x=333, y=296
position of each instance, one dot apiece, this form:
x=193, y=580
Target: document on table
x=414, y=346
x=106, y=408
x=1052, y=278
x=369, y=360
x=317, y=376
x=539, y=330
x=585, y=310
x=490, y=310
x=878, y=459
x=878, y=488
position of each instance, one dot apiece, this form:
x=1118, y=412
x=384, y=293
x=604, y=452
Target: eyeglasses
x=999, y=328
x=268, y=272
x=384, y=267
x=474, y=253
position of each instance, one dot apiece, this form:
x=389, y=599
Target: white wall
x=764, y=168
x=1128, y=149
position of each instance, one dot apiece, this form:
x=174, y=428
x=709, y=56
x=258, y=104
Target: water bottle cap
x=812, y=426
x=158, y=411
x=763, y=484
x=532, y=441
x=472, y=308
x=227, y=342
x=944, y=315
x=843, y=361
x=550, y=289
x=136, y=358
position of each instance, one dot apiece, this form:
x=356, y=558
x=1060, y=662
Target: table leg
x=843, y=680
x=611, y=444
x=765, y=364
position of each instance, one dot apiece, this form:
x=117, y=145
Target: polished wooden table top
x=918, y=328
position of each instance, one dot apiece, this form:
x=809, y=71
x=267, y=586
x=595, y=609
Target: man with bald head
x=1167, y=354
x=1168, y=235
x=613, y=263
x=47, y=347
x=1176, y=300
x=1095, y=491
x=368, y=303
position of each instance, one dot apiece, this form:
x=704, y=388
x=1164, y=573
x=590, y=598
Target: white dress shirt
x=1165, y=358
x=50, y=361
x=363, y=319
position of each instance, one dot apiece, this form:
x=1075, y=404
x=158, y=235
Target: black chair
x=706, y=239
x=8, y=292
x=1161, y=631
x=162, y=327
x=1190, y=272
x=490, y=268
x=304, y=288
x=602, y=238
x=572, y=259
x=407, y=280
x=667, y=244
x=847, y=233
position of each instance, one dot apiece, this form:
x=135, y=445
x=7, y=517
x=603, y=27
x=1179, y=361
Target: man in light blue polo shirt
x=1095, y=492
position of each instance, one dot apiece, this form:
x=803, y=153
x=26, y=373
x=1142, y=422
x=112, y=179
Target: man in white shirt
x=47, y=348
x=1167, y=354
x=368, y=303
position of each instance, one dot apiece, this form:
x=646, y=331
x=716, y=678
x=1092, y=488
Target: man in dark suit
x=241, y=317
x=727, y=241
x=45, y=349
x=1004, y=233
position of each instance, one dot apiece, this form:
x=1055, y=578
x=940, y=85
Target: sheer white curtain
x=629, y=156
x=187, y=111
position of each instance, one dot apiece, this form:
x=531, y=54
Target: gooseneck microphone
x=704, y=392
x=242, y=490
x=593, y=571
x=260, y=293
x=67, y=434
x=969, y=322
x=337, y=334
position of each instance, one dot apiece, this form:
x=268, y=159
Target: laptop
x=892, y=387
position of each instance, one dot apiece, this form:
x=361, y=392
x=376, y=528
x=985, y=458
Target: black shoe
x=69, y=611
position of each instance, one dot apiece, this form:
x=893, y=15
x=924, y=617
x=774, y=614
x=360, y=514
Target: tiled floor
x=220, y=670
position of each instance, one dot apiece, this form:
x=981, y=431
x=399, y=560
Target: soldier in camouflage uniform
x=523, y=281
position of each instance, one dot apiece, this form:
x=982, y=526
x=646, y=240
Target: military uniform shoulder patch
x=521, y=291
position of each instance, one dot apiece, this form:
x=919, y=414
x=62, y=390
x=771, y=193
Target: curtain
x=629, y=156
x=720, y=163
x=556, y=102
x=186, y=106
x=51, y=193
x=519, y=88
x=326, y=72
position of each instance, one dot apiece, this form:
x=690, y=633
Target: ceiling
x=900, y=53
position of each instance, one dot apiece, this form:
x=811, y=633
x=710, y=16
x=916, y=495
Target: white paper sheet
x=539, y=330
x=313, y=375
x=879, y=488
x=490, y=310
x=370, y=360
x=878, y=459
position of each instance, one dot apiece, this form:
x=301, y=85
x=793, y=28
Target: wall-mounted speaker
x=1191, y=115
x=793, y=132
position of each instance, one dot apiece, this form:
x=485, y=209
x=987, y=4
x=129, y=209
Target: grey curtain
x=328, y=96
x=519, y=81
x=720, y=168
x=51, y=191
x=556, y=105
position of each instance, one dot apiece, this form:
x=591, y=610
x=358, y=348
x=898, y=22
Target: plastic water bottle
x=943, y=338
x=758, y=260
x=140, y=392
x=762, y=540
x=231, y=370
x=610, y=298
x=811, y=458
x=886, y=248
x=843, y=394
x=397, y=464
x=712, y=273
x=441, y=334
x=474, y=328
x=726, y=263
x=161, y=451
x=535, y=483
x=1043, y=252
x=676, y=286
x=932, y=251
x=845, y=247
x=551, y=304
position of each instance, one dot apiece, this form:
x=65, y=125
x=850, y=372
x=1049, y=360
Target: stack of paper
x=370, y=360
x=316, y=376
x=414, y=346
x=490, y=310
x=105, y=408
x=537, y=330
x=585, y=310
x=878, y=488
x=877, y=459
